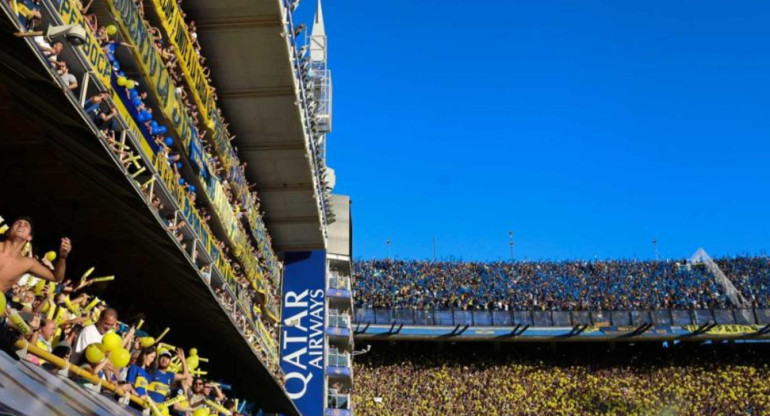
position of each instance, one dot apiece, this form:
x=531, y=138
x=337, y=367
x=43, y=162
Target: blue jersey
x=138, y=378
x=160, y=385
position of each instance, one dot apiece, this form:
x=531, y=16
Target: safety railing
x=339, y=282
x=65, y=365
x=662, y=317
x=338, y=360
x=339, y=320
x=298, y=70
x=338, y=401
x=66, y=369
x=156, y=79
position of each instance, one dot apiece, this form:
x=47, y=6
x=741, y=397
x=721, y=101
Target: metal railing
x=662, y=317
x=338, y=401
x=338, y=360
x=296, y=61
x=339, y=320
x=339, y=282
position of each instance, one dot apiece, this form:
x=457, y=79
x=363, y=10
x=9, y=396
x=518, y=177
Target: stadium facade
x=189, y=156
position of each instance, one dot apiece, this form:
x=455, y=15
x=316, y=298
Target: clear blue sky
x=588, y=128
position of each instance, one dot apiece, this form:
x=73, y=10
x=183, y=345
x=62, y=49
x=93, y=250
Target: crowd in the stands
x=694, y=381
x=553, y=285
x=751, y=276
x=44, y=311
x=101, y=107
x=253, y=307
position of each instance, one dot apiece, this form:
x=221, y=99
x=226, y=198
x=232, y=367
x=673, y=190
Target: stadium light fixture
x=74, y=34
x=363, y=351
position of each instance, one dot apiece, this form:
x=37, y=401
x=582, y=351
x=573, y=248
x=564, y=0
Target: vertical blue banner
x=302, y=336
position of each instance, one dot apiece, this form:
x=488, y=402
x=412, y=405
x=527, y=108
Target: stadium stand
x=195, y=183
x=566, y=285
x=52, y=322
x=466, y=379
x=751, y=276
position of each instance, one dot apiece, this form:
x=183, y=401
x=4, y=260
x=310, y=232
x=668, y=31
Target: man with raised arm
x=13, y=264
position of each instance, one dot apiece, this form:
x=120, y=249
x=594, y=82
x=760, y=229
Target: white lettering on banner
x=296, y=302
x=304, y=380
x=309, y=342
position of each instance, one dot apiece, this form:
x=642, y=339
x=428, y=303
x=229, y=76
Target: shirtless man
x=13, y=265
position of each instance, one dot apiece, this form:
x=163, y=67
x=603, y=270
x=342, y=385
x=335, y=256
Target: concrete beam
x=237, y=23
x=262, y=92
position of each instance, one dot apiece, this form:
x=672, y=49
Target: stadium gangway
x=625, y=318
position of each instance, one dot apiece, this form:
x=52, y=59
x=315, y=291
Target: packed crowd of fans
x=699, y=381
x=751, y=276
x=102, y=111
x=565, y=285
x=53, y=313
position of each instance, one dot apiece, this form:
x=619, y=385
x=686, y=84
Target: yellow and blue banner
x=70, y=15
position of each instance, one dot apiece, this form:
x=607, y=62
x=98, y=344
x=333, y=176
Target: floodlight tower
x=321, y=79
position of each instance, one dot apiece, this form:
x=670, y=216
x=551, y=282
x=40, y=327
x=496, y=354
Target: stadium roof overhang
x=247, y=50
x=56, y=171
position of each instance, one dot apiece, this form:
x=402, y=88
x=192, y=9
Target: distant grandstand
x=617, y=337
x=563, y=301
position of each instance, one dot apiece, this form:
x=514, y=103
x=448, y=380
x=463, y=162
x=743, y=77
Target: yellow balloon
x=122, y=81
x=146, y=341
x=112, y=29
x=50, y=256
x=110, y=341
x=120, y=357
x=2, y=303
x=193, y=352
x=201, y=411
x=94, y=354
x=193, y=362
x=130, y=84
